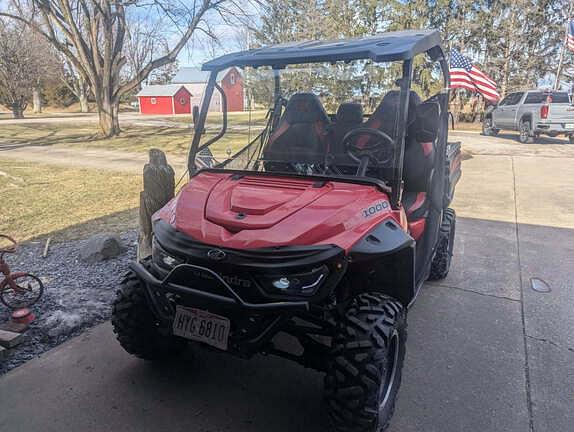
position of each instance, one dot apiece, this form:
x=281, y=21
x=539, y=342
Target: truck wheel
x=487, y=128
x=525, y=135
x=136, y=327
x=364, y=368
x=571, y=138
x=441, y=262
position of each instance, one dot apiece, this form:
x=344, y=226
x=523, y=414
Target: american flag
x=204, y=159
x=464, y=75
x=570, y=38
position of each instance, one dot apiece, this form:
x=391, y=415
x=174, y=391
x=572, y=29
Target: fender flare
x=526, y=116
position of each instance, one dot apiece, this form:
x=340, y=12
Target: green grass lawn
x=173, y=140
x=39, y=200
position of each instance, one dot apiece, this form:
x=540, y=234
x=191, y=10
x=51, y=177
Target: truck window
x=560, y=97
x=514, y=98
x=504, y=101
x=535, y=98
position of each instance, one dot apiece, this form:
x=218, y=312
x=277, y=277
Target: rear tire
x=525, y=133
x=137, y=329
x=443, y=256
x=571, y=139
x=488, y=129
x=365, y=364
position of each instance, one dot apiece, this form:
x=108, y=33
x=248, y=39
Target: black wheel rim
x=391, y=376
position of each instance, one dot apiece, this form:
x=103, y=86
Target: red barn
x=230, y=80
x=164, y=99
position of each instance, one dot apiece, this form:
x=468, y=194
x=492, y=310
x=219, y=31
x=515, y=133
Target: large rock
x=101, y=247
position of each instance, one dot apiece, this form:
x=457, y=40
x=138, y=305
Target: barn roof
x=192, y=75
x=161, y=90
x=382, y=47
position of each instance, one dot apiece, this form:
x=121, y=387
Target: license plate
x=201, y=326
x=569, y=125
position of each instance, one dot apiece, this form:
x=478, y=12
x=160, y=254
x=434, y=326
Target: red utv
x=323, y=227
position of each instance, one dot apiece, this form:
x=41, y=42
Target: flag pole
x=561, y=61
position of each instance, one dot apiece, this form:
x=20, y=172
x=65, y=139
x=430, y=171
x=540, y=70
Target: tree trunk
x=82, y=94
x=37, y=100
x=159, y=188
x=83, y=99
x=108, y=116
x=17, y=111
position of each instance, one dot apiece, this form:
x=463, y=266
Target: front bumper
x=253, y=325
x=232, y=287
x=159, y=291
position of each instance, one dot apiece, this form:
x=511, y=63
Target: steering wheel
x=8, y=249
x=372, y=150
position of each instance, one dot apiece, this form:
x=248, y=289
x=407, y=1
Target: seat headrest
x=387, y=109
x=426, y=126
x=350, y=112
x=305, y=108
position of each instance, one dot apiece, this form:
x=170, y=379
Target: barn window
x=182, y=101
x=232, y=79
x=153, y=101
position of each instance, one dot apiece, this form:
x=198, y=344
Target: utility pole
x=562, y=51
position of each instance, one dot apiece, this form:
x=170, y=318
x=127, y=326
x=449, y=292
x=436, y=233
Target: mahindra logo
x=216, y=254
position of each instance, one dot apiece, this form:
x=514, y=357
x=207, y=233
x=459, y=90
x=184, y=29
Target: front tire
x=443, y=256
x=571, y=139
x=137, y=329
x=488, y=129
x=364, y=371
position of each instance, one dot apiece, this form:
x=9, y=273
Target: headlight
x=163, y=259
x=302, y=284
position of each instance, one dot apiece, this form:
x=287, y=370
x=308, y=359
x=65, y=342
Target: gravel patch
x=77, y=295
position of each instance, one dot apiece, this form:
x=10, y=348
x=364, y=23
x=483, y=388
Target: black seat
x=419, y=160
x=301, y=136
x=385, y=115
x=349, y=116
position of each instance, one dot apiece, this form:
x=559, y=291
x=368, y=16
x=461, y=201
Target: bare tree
x=92, y=34
x=23, y=67
x=76, y=83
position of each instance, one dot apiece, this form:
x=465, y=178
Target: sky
x=199, y=50
x=231, y=37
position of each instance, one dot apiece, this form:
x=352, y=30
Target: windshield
x=308, y=119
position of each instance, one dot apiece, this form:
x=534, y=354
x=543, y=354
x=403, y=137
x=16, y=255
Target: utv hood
x=254, y=211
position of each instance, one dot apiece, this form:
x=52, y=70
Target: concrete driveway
x=485, y=353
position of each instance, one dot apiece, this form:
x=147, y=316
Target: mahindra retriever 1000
x=323, y=227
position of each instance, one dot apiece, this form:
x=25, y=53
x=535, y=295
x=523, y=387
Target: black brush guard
x=157, y=289
x=271, y=317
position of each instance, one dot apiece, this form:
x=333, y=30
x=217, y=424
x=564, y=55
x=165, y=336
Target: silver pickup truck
x=532, y=113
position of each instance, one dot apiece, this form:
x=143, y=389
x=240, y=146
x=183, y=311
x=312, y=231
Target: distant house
x=230, y=80
x=165, y=99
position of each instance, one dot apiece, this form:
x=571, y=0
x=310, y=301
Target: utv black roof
x=383, y=47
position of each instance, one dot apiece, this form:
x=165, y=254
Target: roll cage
x=384, y=47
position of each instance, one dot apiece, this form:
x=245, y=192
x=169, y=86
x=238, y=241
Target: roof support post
x=199, y=127
x=277, y=99
x=400, y=132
